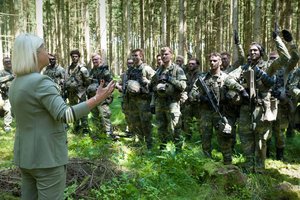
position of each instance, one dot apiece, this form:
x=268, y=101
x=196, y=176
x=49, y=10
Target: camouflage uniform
x=98, y=74
x=138, y=109
x=6, y=78
x=219, y=84
x=125, y=98
x=167, y=106
x=190, y=108
x=285, y=106
x=77, y=80
x=294, y=91
x=255, y=128
x=57, y=74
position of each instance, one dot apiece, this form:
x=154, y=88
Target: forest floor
x=125, y=169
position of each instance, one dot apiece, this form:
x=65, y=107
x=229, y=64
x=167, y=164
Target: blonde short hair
x=24, y=56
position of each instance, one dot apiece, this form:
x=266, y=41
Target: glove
x=152, y=109
x=245, y=95
x=287, y=36
x=275, y=33
x=236, y=37
x=163, y=78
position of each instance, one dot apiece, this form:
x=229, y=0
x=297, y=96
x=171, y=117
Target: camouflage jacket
x=6, y=77
x=294, y=85
x=77, y=80
x=177, y=79
x=218, y=84
x=142, y=74
x=101, y=73
x=56, y=73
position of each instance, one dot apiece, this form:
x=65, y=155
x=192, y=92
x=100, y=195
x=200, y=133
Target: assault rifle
x=213, y=102
x=250, y=79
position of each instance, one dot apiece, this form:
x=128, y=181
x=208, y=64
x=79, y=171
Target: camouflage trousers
x=126, y=110
x=101, y=118
x=208, y=123
x=81, y=123
x=253, y=141
x=280, y=125
x=7, y=115
x=139, y=118
x=190, y=117
x=168, y=118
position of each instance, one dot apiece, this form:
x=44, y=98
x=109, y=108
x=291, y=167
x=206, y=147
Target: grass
x=169, y=175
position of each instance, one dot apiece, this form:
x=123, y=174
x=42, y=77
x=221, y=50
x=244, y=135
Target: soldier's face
x=52, y=61
x=166, y=56
x=129, y=63
x=254, y=53
x=7, y=63
x=96, y=60
x=225, y=61
x=192, y=65
x=215, y=62
x=75, y=58
x=179, y=61
x=136, y=57
x=159, y=61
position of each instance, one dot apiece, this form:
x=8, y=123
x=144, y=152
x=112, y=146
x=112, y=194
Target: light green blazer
x=39, y=111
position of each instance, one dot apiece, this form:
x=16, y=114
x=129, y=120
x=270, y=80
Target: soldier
x=56, y=72
x=285, y=106
x=125, y=101
x=218, y=83
x=190, y=111
x=100, y=72
x=180, y=62
x=262, y=107
x=226, y=66
x=138, y=94
x=6, y=76
x=77, y=80
x=294, y=91
x=159, y=61
x=168, y=84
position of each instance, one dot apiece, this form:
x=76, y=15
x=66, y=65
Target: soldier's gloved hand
x=236, y=37
x=245, y=95
x=163, y=78
x=276, y=31
x=152, y=109
x=287, y=36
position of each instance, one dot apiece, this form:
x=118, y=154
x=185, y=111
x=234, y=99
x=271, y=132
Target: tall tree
x=39, y=18
x=182, y=27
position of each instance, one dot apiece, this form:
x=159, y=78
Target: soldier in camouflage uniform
x=294, y=92
x=190, y=108
x=121, y=85
x=77, y=80
x=254, y=128
x=6, y=76
x=219, y=83
x=226, y=66
x=100, y=72
x=285, y=105
x=168, y=83
x=56, y=72
x=139, y=97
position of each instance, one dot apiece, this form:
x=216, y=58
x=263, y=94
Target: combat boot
x=279, y=153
